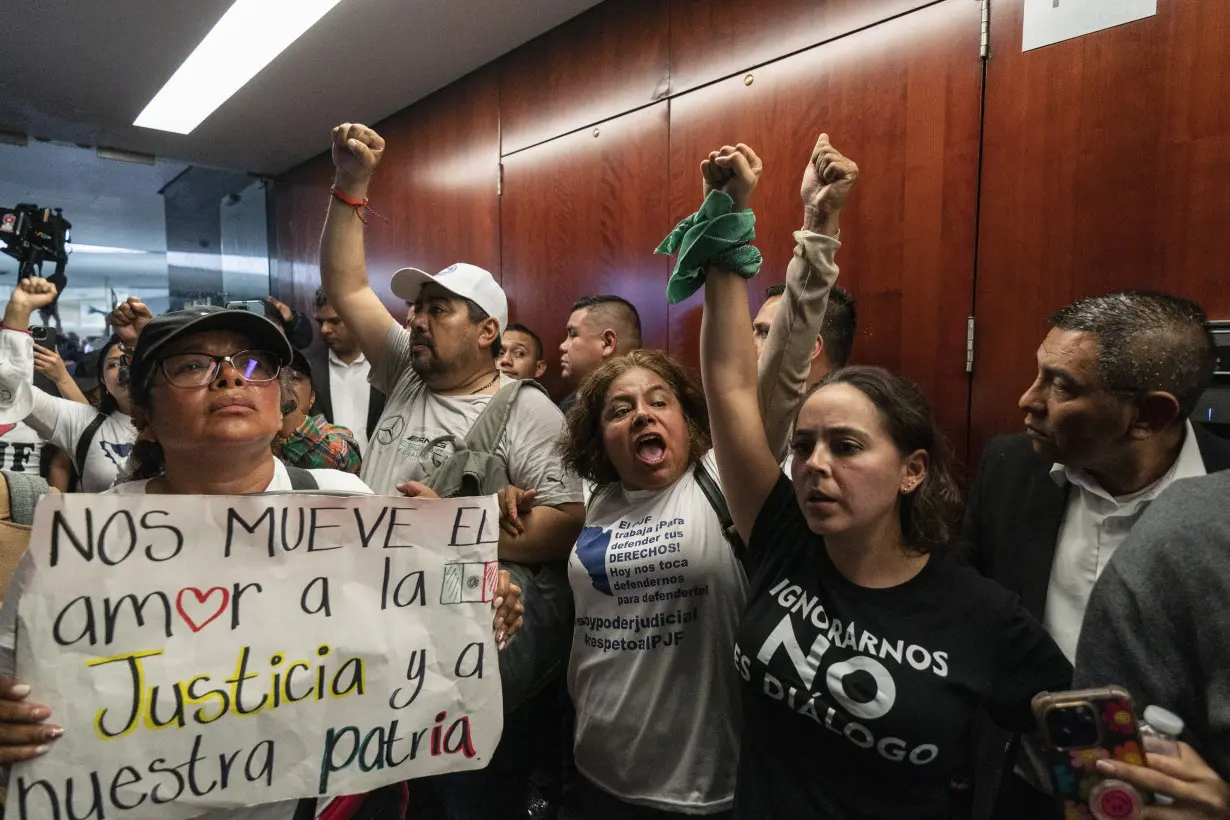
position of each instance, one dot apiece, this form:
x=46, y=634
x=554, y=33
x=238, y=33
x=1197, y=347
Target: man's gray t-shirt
x=1157, y=619
x=415, y=416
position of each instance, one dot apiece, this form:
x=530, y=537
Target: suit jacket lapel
x=1042, y=514
x=375, y=409
x=321, y=378
x=1214, y=451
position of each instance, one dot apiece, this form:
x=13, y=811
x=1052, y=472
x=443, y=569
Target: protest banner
x=212, y=652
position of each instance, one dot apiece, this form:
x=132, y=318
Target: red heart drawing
x=4, y=428
x=201, y=598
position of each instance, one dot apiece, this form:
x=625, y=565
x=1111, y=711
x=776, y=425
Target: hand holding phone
x=1079, y=729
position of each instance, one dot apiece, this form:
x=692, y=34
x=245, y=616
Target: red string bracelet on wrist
x=26, y=331
x=360, y=205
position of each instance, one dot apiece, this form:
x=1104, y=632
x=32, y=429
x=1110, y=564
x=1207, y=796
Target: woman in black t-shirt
x=865, y=648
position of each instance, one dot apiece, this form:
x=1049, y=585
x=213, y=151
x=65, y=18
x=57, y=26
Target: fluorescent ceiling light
x=101, y=249
x=247, y=38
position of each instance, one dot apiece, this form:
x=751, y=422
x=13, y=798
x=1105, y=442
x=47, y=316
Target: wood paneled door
x=902, y=99
x=436, y=191
x=610, y=60
x=1106, y=165
x=581, y=215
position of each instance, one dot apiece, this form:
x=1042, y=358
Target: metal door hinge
x=984, y=42
x=969, y=345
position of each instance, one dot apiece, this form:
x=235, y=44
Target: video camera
x=31, y=235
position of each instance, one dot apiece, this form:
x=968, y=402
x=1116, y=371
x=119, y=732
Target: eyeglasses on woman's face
x=200, y=369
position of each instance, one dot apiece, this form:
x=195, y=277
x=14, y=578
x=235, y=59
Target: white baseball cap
x=467, y=281
x=17, y=397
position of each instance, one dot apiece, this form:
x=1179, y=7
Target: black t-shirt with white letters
x=855, y=700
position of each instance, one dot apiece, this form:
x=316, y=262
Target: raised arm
x=785, y=364
x=48, y=362
x=343, y=264
x=728, y=360
x=17, y=353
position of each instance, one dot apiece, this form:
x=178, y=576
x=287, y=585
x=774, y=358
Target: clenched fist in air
x=357, y=150
x=826, y=185
x=735, y=169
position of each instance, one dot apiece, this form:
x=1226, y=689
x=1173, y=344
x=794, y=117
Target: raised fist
x=827, y=180
x=356, y=152
x=735, y=169
x=127, y=320
x=33, y=293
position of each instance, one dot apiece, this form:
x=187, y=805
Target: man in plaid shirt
x=311, y=442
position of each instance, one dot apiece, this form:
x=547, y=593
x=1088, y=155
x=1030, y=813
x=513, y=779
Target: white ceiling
x=80, y=72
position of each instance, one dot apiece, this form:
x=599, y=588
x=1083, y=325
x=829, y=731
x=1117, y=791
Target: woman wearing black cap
x=207, y=395
x=206, y=386
x=98, y=441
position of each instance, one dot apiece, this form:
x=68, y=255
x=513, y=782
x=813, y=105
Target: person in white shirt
x=342, y=373
x=1107, y=430
x=208, y=393
x=103, y=436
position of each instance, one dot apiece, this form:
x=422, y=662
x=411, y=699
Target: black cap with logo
x=162, y=330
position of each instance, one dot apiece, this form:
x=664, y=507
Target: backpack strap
x=83, y=443
x=487, y=430
x=718, y=501
x=489, y=427
x=301, y=479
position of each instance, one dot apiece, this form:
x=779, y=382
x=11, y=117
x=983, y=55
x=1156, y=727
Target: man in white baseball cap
x=439, y=374
x=483, y=303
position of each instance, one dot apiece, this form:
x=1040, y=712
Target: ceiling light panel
x=247, y=38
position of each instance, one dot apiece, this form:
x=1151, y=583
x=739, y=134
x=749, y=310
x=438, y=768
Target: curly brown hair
x=581, y=444
x=929, y=515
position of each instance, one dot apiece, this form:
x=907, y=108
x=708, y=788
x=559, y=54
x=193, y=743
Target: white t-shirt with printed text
x=658, y=595
x=20, y=448
x=62, y=422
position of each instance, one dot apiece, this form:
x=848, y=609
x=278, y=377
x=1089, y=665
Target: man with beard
x=438, y=376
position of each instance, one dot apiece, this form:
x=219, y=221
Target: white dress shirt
x=351, y=395
x=1094, y=525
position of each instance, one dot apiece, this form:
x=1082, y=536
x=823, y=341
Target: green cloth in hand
x=715, y=236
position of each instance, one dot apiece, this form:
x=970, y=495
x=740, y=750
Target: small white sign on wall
x=1052, y=21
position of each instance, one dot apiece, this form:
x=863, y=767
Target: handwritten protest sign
x=205, y=653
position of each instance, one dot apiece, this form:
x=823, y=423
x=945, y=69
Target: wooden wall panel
x=603, y=63
x=1106, y=166
x=711, y=39
x=902, y=99
x=437, y=184
x=581, y=215
x=436, y=187
x=298, y=200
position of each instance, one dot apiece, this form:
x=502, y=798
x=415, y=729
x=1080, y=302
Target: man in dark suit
x=343, y=394
x=1106, y=430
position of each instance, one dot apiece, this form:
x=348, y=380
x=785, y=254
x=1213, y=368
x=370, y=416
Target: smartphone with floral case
x=1078, y=729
